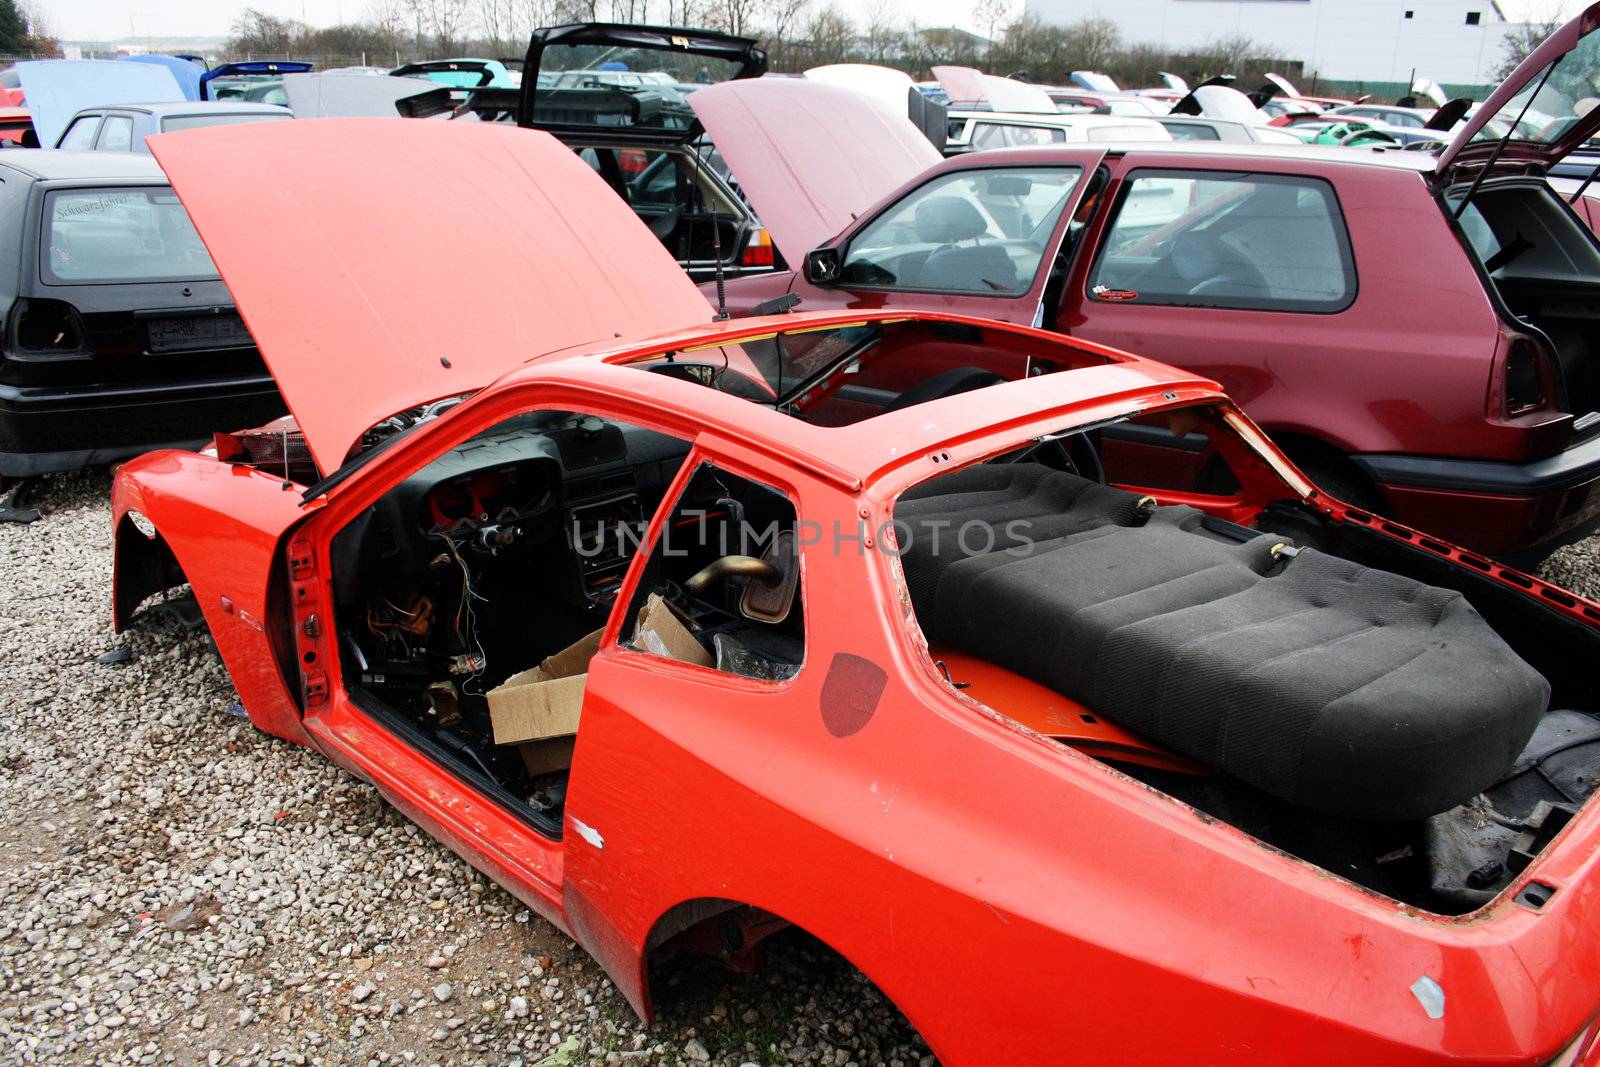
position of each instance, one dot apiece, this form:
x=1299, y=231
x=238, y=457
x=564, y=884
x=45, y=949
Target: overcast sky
x=109, y=19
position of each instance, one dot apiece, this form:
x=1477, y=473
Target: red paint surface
x=1085, y=915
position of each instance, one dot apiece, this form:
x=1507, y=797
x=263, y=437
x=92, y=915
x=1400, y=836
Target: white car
x=974, y=131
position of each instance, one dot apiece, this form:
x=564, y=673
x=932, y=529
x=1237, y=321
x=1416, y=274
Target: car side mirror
x=822, y=266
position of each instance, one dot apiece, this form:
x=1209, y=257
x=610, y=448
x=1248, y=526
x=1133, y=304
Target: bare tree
x=446, y=22
x=733, y=16
x=258, y=33
x=1521, y=39
x=882, y=39
x=780, y=25
x=992, y=14
x=830, y=36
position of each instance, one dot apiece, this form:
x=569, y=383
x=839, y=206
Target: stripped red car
x=1415, y=330
x=576, y=493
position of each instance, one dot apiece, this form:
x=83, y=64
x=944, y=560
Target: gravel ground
x=176, y=887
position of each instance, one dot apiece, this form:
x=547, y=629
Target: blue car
x=258, y=81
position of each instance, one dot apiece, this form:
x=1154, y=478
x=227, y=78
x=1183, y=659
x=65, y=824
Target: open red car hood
x=810, y=156
x=381, y=264
x=1563, y=112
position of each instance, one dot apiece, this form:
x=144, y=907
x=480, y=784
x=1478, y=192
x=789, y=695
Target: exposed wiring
x=466, y=620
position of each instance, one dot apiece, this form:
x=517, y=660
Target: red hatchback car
x=1416, y=331
x=657, y=622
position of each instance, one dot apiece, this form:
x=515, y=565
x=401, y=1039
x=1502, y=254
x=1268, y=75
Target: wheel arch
x=143, y=564
x=709, y=918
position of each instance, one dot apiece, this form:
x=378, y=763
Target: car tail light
x=631, y=161
x=277, y=449
x=45, y=330
x=757, y=250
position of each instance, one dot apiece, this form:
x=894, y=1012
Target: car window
x=1184, y=131
x=116, y=135
x=80, y=135
x=1005, y=135
x=979, y=231
x=1226, y=240
x=1142, y=132
x=120, y=234
x=727, y=564
x=1269, y=135
x=193, y=122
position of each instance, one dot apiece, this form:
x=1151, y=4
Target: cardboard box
x=545, y=702
x=664, y=631
x=551, y=754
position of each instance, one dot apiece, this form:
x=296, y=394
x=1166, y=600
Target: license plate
x=194, y=332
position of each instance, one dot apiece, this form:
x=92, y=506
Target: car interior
x=1222, y=240
x=1543, y=263
x=671, y=192
x=511, y=548
x=1341, y=689
x=983, y=231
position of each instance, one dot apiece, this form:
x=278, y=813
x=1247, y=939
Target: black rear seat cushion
x=1323, y=682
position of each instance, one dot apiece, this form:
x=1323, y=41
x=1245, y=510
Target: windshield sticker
x=93, y=207
x=1119, y=296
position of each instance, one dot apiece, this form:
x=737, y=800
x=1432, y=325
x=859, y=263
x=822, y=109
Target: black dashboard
x=578, y=486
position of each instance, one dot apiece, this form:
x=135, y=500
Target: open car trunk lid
x=1549, y=106
x=810, y=156
x=473, y=249
x=967, y=87
x=57, y=89
x=627, y=83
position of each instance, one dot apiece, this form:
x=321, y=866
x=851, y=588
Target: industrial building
x=1450, y=41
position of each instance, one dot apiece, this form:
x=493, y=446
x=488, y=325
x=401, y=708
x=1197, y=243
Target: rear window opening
x=120, y=235
x=843, y=375
x=1545, y=265
x=1151, y=593
x=675, y=196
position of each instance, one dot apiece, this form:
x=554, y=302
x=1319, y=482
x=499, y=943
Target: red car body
x=1086, y=911
x=1401, y=395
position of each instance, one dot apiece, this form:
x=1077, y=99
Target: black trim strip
x=1564, y=470
x=1157, y=436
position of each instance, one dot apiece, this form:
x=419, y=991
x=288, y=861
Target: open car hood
x=185, y=72
x=326, y=95
x=380, y=265
x=885, y=83
x=966, y=87
x=58, y=89
x=1550, y=105
x=810, y=156
x=627, y=83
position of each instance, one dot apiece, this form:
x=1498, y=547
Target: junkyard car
x=977, y=131
x=1417, y=338
x=123, y=127
x=119, y=336
x=646, y=616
